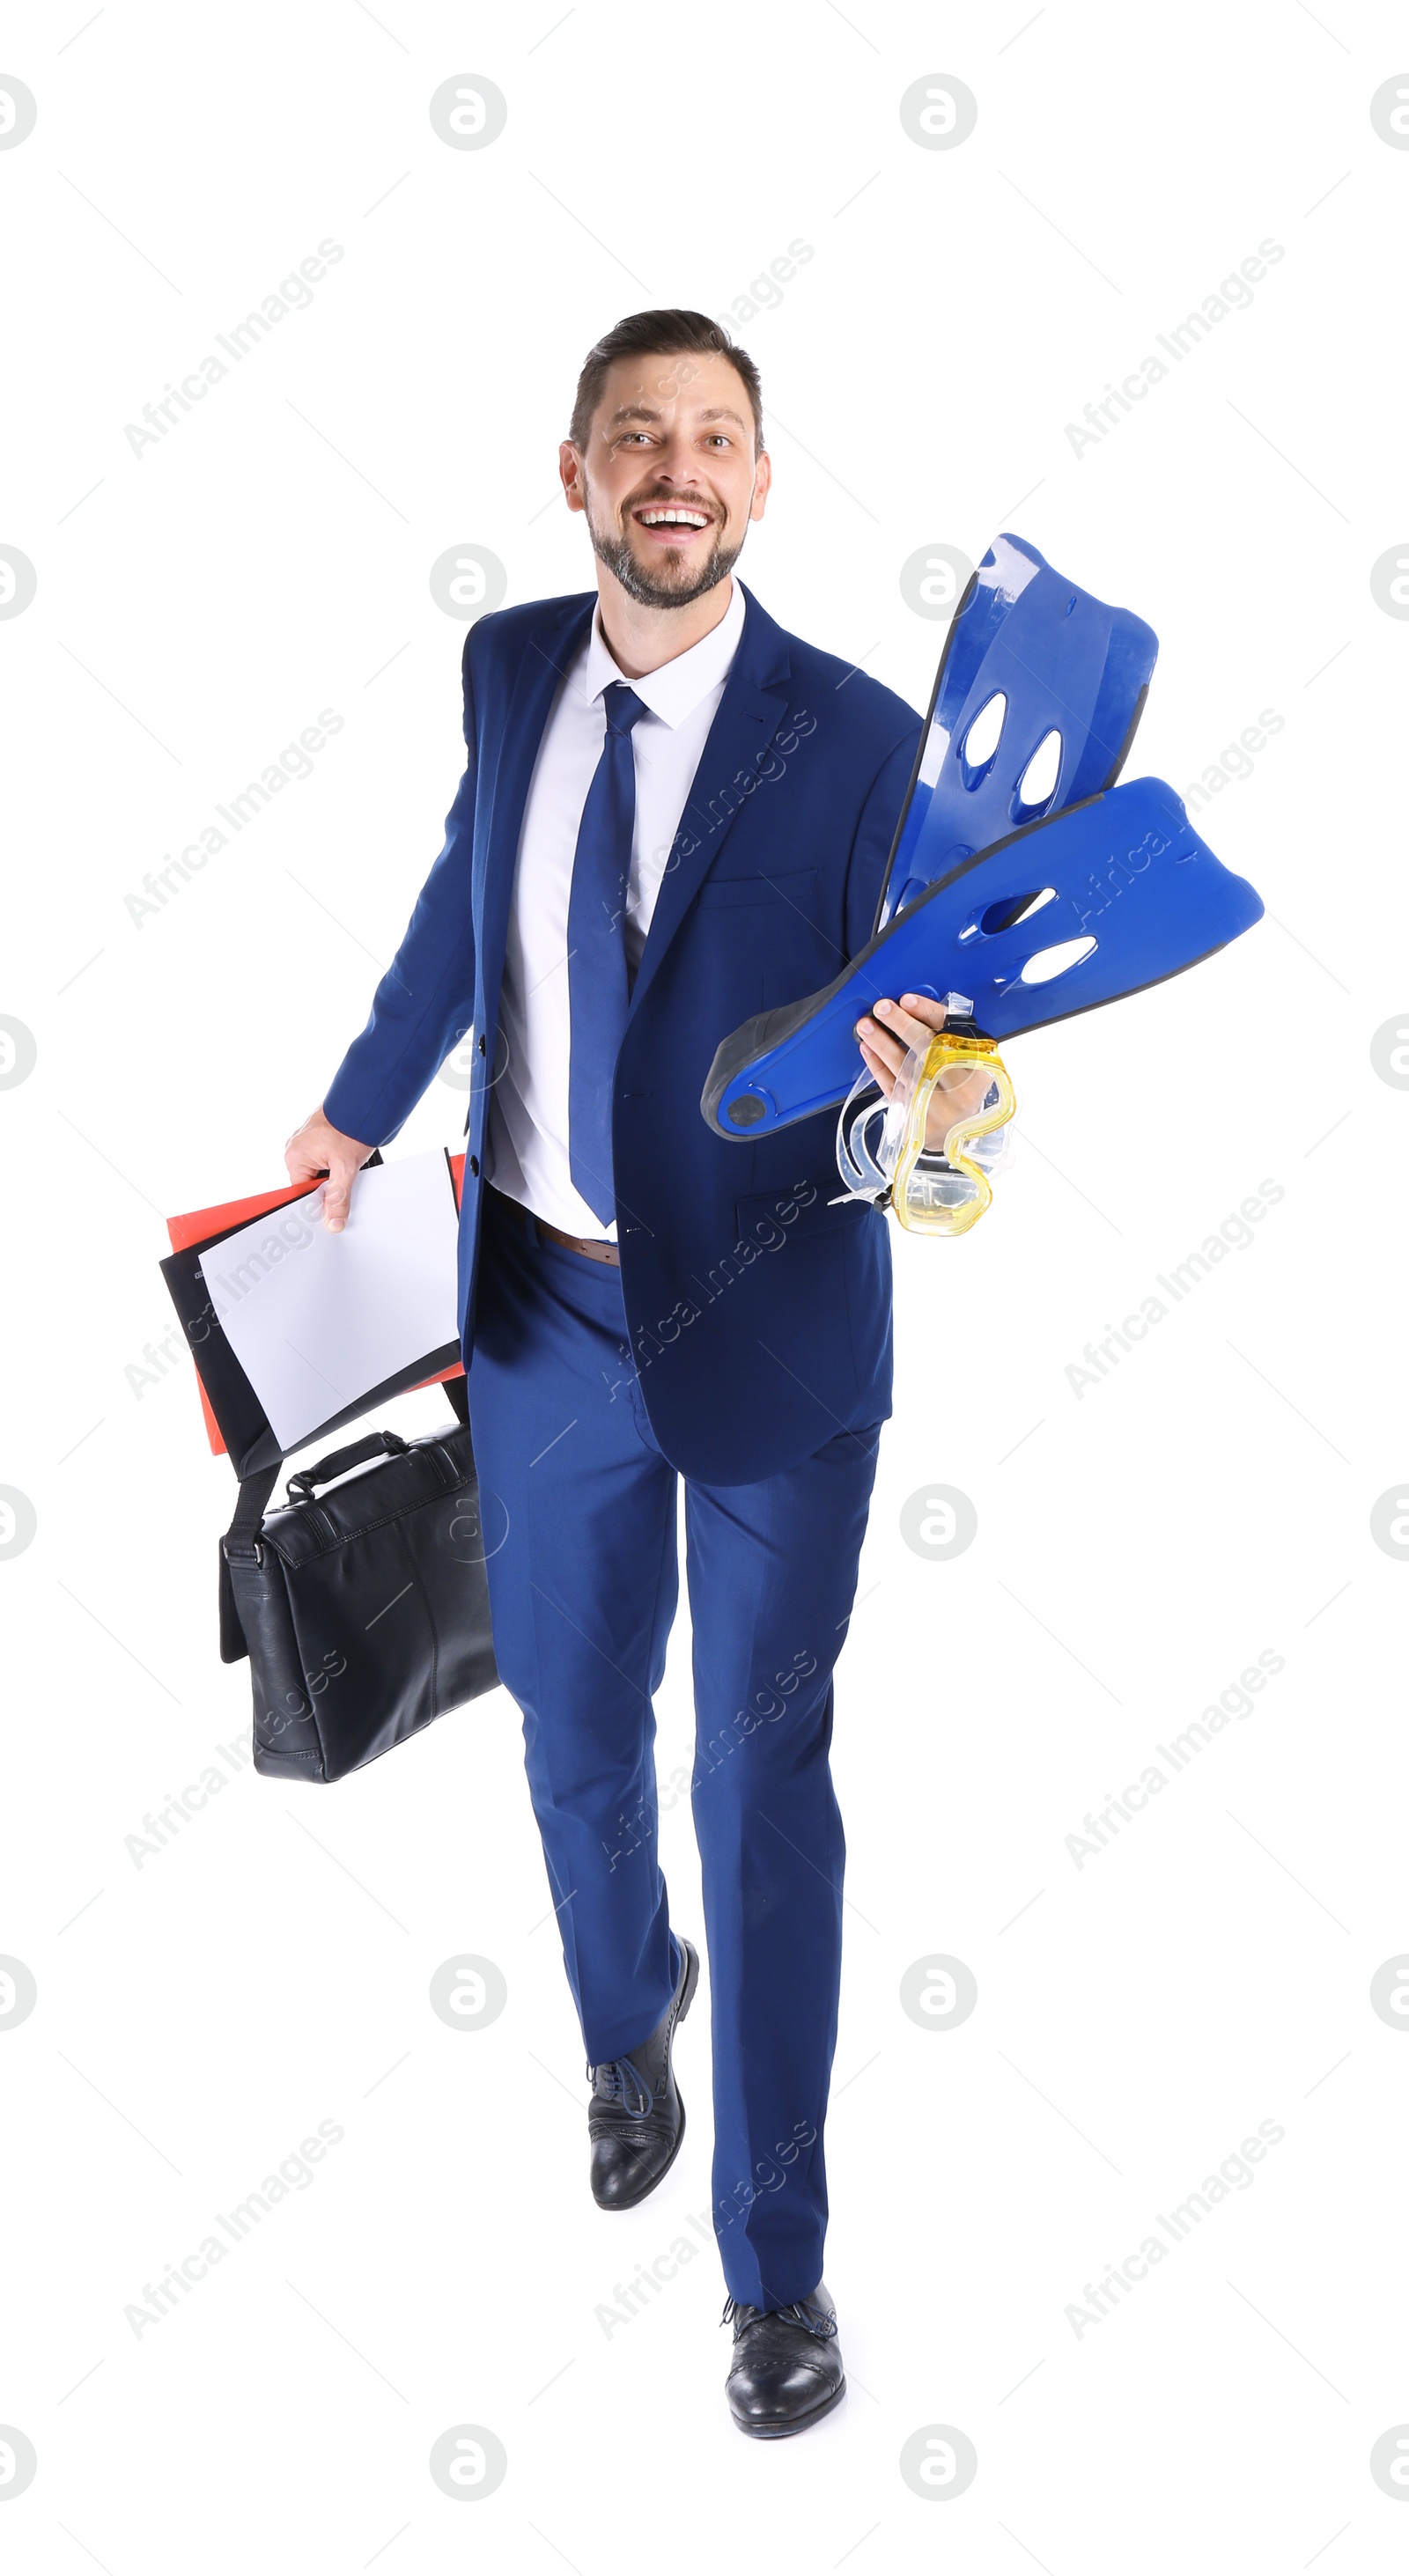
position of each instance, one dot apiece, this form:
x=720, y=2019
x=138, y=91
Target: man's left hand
x=886, y=1035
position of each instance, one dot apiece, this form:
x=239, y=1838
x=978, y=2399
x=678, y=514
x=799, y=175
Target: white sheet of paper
x=316, y=1319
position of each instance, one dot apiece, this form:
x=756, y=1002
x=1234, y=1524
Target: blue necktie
x=598, y=990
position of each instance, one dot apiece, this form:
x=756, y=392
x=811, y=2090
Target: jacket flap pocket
x=784, y=885
x=768, y=1215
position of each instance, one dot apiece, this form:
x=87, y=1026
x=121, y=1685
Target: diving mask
x=882, y=1154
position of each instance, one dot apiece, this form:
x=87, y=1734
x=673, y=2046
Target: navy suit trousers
x=580, y=1519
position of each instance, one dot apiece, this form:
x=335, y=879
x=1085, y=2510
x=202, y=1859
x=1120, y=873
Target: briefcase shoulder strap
x=242, y=1540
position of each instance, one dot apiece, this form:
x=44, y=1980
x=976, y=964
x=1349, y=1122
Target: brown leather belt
x=592, y=1248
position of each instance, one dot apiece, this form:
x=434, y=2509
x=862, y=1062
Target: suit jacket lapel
x=752, y=708
x=547, y=655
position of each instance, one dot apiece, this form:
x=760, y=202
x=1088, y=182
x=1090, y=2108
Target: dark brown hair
x=667, y=333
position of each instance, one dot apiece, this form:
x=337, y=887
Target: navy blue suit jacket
x=759, y=1316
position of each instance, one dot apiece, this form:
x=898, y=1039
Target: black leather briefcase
x=364, y=1610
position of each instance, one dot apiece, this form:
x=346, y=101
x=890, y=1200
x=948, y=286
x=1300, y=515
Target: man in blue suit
x=674, y=815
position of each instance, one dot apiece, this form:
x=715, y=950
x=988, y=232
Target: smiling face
x=670, y=476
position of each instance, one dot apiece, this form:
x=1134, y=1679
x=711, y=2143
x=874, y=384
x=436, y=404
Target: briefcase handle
x=378, y=1444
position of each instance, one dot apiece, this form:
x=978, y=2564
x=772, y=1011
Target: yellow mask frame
x=951, y=1200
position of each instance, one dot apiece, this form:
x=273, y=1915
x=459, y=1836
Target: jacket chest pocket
x=788, y=886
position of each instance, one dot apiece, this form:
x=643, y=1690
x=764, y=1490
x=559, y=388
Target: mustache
x=669, y=501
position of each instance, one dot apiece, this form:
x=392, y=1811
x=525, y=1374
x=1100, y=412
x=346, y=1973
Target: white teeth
x=673, y=519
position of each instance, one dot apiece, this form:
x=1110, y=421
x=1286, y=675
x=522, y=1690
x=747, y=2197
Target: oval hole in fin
x=1049, y=962
x=982, y=739
x=1010, y=910
x=1040, y=776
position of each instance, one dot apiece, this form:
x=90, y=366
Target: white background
x=1138, y=1544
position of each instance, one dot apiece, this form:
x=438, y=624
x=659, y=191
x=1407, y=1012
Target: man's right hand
x=315, y=1148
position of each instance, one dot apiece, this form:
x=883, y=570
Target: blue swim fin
x=1095, y=902
x=1038, y=694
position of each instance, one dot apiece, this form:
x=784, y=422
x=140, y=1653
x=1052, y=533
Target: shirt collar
x=676, y=689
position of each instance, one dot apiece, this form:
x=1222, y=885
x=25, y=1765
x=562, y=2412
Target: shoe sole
x=610, y=2208
x=692, y=1979
x=780, y=2432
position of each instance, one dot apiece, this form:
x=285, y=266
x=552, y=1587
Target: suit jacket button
x=474, y=1165
x=482, y=1045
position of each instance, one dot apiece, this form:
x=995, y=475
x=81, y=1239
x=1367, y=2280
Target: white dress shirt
x=527, y=1137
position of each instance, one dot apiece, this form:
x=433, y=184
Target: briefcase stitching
x=426, y=1604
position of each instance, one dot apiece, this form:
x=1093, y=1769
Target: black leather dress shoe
x=787, y=2366
x=636, y=2118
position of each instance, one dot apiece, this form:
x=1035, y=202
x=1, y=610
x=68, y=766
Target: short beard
x=661, y=591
